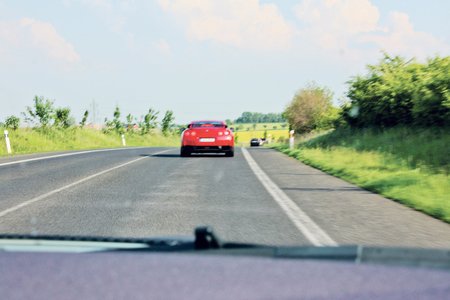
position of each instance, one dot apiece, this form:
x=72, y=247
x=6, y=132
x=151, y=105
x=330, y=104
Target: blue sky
x=201, y=58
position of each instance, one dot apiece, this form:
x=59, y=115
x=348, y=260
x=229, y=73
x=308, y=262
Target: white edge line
x=316, y=235
x=43, y=196
x=66, y=154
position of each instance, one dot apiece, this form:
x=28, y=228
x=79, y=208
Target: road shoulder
x=349, y=214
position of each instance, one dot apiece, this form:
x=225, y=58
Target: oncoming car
x=207, y=137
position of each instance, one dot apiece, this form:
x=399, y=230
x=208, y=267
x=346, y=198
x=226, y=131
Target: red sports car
x=207, y=137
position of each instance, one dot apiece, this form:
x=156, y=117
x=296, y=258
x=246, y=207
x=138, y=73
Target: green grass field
x=245, y=132
x=246, y=136
x=33, y=141
x=410, y=166
x=260, y=126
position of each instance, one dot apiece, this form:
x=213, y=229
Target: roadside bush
x=399, y=92
x=62, y=118
x=431, y=98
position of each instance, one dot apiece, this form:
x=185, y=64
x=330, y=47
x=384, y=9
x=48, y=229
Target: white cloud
x=243, y=24
x=45, y=37
x=162, y=46
x=113, y=13
x=401, y=38
x=35, y=34
x=353, y=27
x=331, y=23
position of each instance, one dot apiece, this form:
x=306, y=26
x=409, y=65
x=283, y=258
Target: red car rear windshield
x=207, y=124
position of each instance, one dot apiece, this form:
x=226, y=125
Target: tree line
x=44, y=115
x=394, y=92
x=255, y=117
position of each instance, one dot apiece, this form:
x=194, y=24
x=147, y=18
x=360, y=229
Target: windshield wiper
x=205, y=241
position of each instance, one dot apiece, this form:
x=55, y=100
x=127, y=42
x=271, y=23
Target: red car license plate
x=207, y=140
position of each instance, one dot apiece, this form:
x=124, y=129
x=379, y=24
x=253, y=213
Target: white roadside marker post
x=123, y=140
x=8, y=144
x=291, y=139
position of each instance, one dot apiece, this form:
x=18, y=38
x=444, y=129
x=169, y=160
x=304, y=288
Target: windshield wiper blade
x=205, y=241
x=87, y=238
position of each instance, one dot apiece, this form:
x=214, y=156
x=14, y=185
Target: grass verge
x=246, y=136
x=27, y=140
x=408, y=165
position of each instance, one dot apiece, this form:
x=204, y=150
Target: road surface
x=259, y=196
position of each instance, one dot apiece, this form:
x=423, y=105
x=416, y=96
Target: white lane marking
x=43, y=196
x=66, y=154
x=316, y=235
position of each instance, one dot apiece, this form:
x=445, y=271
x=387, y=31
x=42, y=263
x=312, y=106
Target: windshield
x=322, y=123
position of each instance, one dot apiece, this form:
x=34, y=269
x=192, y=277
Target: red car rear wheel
x=184, y=152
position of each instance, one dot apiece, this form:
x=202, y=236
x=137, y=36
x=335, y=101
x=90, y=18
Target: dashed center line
x=43, y=196
x=64, y=155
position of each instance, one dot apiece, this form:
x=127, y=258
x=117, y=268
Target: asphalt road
x=259, y=196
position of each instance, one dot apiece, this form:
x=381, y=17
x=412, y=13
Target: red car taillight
x=226, y=132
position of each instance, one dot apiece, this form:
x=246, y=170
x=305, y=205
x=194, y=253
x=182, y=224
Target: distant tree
x=12, y=122
x=254, y=126
x=109, y=126
x=41, y=112
x=115, y=124
x=83, y=121
x=149, y=121
x=167, y=122
x=275, y=127
x=118, y=126
x=265, y=126
x=130, y=123
x=62, y=117
x=310, y=109
x=255, y=117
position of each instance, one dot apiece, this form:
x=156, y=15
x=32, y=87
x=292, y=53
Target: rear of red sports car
x=207, y=137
